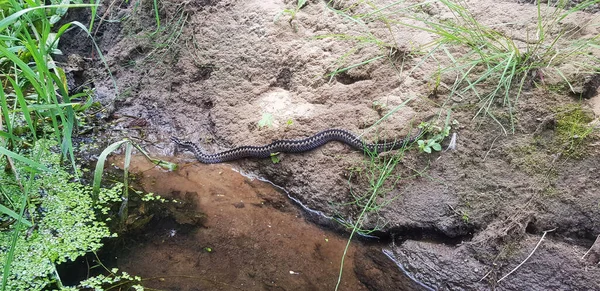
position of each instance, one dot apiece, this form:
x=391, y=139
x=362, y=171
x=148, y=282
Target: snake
x=297, y=146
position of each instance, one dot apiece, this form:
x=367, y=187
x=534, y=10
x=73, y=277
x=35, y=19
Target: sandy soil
x=472, y=215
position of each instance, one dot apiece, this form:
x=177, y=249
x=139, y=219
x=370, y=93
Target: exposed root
x=530, y=254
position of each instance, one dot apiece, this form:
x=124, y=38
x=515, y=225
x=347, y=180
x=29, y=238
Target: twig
x=523, y=262
x=595, y=242
x=486, y=274
x=459, y=213
x=491, y=147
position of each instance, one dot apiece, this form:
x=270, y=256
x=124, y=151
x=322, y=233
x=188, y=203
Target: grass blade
x=23, y=104
x=9, y=20
x=23, y=159
x=9, y=212
x=100, y=165
x=98, y=50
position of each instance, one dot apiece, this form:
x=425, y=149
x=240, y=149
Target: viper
x=298, y=146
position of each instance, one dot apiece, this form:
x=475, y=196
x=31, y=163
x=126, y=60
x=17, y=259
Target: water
x=252, y=237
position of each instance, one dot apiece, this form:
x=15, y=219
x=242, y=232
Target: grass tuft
x=492, y=66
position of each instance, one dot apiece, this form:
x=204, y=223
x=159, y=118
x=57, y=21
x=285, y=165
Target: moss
x=539, y=163
x=531, y=159
x=550, y=191
x=573, y=130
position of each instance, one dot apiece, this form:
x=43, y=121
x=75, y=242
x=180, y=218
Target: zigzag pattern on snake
x=297, y=146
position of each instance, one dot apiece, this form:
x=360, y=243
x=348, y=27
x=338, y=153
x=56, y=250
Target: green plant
x=45, y=216
x=358, y=42
x=123, y=281
x=266, y=120
x=573, y=129
x=61, y=219
x=363, y=36
x=378, y=173
x=124, y=198
x=488, y=63
x=291, y=12
x=429, y=145
x=379, y=106
x=166, y=39
x=495, y=61
x=435, y=142
x=465, y=217
x=275, y=158
x=382, y=177
x=29, y=40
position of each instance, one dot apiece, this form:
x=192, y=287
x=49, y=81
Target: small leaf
x=437, y=147
x=301, y=3
x=275, y=158
x=266, y=120
x=165, y=165
x=84, y=106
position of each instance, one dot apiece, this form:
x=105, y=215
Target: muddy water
x=252, y=237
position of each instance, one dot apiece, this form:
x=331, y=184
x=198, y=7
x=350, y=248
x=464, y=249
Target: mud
x=461, y=219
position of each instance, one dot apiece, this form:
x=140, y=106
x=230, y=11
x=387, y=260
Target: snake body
x=296, y=146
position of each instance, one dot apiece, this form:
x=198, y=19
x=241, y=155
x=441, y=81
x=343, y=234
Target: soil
x=461, y=219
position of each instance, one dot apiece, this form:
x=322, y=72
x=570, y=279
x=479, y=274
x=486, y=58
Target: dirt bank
x=461, y=219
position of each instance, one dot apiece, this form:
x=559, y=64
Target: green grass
x=379, y=172
x=363, y=37
x=162, y=43
x=495, y=61
x=484, y=62
x=46, y=215
x=292, y=13
x=382, y=177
